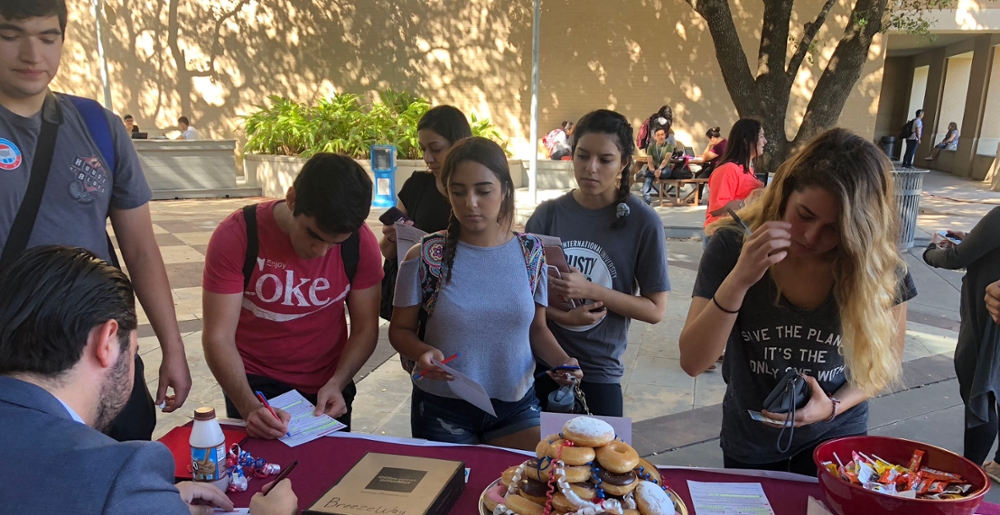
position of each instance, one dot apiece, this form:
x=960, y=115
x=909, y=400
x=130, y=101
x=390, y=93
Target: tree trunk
x=766, y=94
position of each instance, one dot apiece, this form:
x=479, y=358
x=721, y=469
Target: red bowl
x=849, y=499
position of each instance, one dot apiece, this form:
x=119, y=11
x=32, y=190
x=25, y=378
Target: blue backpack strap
x=97, y=124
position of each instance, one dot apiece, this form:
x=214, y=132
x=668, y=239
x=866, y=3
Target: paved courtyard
x=676, y=418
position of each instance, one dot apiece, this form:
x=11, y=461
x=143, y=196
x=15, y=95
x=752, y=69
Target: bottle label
x=208, y=464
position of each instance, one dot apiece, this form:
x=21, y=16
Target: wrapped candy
x=912, y=481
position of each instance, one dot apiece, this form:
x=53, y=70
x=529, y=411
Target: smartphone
x=944, y=234
x=391, y=216
x=760, y=417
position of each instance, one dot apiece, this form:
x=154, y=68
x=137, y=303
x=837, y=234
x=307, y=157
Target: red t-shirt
x=728, y=183
x=292, y=326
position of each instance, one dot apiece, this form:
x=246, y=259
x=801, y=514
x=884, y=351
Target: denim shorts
x=441, y=419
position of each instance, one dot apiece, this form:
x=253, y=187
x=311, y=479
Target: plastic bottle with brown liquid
x=208, y=449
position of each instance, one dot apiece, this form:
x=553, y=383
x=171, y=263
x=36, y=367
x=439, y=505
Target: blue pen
x=263, y=400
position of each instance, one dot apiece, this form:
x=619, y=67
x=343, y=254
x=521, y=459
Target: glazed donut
x=588, y=432
x=631, y=512
x=508, y=476
x=542, y=449
x=571, y=454
x=539, y=471
x=648, y=472
x=534, y=491
x=585, y=491
x=494, y=496
x=653, y=500
x=615, y=484
x=522, y=506
x=617, y=456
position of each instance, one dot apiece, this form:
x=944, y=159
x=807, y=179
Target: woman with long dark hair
x=615, y=245
x=733, y=179
x=423, y=197
x=481, y=290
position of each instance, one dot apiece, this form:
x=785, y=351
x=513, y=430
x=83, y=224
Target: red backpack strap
x=431, y=259
x=534, y=258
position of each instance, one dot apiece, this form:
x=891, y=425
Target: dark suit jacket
x=55, y=465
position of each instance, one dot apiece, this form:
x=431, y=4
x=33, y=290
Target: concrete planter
x=275, y=174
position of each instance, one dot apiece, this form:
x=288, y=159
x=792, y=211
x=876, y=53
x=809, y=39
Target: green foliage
x=344, y=124
x=911, y=16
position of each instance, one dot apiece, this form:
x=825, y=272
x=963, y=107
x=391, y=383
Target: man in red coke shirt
x=274, y=320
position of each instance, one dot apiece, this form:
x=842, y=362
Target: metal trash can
x=909, y=185
x=889, y=146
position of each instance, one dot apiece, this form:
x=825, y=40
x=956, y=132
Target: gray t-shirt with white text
x=630, y=259
x=80, y=188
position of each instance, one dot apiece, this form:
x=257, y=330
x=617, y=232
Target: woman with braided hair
x=479, y=290
x=615, y=247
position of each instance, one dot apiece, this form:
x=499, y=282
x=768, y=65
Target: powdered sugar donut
x=653, y=500
x=617, y=456
x=588, y=432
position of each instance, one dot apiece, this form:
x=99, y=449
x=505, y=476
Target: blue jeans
x=647, y=187
x=911, y=150
x=441, y=419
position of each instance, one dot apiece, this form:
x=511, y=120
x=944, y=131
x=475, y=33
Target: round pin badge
x=10, y=155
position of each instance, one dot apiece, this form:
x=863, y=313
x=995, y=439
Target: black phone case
x=792, y=390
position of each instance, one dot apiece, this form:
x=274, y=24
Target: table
x=324, y=461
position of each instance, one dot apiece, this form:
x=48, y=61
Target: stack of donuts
x=584, y=470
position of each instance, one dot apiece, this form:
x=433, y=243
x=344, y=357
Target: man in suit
x=67, y=343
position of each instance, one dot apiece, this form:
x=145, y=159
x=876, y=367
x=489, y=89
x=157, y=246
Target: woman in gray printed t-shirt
x=817, y=285
x=487, y=311
x=614, y=243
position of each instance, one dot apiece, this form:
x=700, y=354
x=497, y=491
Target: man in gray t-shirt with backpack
x=66, y=166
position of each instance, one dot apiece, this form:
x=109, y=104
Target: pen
x=447, y=360
x=263, y=400
x=282, y=475
x=739, y=221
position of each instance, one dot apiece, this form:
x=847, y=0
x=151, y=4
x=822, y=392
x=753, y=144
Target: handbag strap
x=789, y=424
x=24, y=221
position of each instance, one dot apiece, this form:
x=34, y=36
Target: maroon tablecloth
x=324, y=461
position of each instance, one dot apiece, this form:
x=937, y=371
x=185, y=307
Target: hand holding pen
x=566, y=373
x=427, y=370
x=267, y=422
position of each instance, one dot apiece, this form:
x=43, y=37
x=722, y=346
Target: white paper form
x=467, y=389
x=304, y=427
x=729, y=498
x=406, y=237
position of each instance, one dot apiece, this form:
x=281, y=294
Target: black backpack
x=350, y=249
x=907, y=130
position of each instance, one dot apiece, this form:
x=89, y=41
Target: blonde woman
x=818, y=286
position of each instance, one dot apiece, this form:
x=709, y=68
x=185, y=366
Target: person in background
x=950, y=142
x=557, y=141
x=188, y=132
x=130, y=125
x=615, y=247
x=657, y=161
x=67, y=346
x=282, y=325
x=733, y=179
x=979, y=253
x=664, y=117
x=817, y=285
x=913, y=139
x=486, y=303
x=710, y=157
x=423, y=198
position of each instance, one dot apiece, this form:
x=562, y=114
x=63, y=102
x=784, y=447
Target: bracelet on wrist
x=834, y=413
x=724, y=310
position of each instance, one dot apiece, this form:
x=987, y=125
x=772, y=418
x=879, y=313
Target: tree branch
x=843, y=70
x=729, y=54
x=808, y=35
